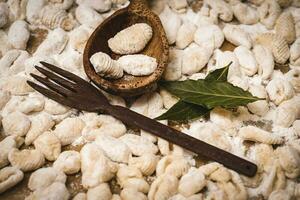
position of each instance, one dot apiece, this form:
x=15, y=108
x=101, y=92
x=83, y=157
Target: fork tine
x=63, y=73
x=50, y=94
x=57, y=79
x=51, y=85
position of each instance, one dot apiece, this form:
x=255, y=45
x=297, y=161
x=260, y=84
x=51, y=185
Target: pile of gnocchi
x=130, y=40
x=51, y=143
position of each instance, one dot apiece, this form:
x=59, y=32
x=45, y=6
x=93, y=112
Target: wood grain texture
x=128, y=85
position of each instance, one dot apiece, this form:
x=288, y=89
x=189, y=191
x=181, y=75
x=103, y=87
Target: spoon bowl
x=128, y=85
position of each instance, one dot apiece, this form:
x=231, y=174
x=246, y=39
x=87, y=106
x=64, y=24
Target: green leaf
x=219, y=74
x=183, y=111
x=210, y=94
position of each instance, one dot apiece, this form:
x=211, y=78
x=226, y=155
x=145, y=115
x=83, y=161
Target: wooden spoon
x=128, y=85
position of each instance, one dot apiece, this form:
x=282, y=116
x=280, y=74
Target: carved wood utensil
x=77, y=93
x=128, y=85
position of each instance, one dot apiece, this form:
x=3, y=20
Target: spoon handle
x=176, y=137
x=138, y=4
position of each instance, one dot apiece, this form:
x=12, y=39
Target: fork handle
x=137, y=4
x=229, y=160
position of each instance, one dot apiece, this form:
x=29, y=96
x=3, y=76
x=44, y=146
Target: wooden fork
x=71, y=90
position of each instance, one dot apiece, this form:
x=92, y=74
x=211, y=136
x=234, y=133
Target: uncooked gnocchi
x=44, y=177
x=68, y=162
x=69, y=130
x=26, y=160
x=49, y=145
x=112, y=161
x=9, y=177
x=132, y=39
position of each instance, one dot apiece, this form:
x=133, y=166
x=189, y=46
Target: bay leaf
x=219, y=74
x=210, y=94
x=183, y=111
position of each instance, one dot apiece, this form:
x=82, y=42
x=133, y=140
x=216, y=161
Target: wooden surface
x=158, y=46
